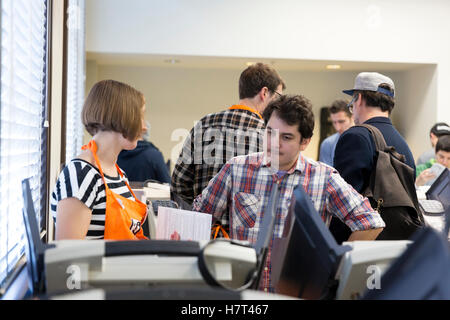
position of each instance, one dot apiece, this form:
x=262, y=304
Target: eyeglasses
x=350, y=104
x=278, y=94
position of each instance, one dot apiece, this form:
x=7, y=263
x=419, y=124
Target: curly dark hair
x=293, y=109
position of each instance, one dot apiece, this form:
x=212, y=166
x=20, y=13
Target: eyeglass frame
x=350, y=104
x=279, y=94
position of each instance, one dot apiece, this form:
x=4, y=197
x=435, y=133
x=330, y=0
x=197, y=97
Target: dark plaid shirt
x=214, y=140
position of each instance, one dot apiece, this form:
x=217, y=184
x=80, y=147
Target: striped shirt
x=239, y=193
x=214, y=140
x=80, y=180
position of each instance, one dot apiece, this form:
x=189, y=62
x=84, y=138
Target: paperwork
x=189, y=225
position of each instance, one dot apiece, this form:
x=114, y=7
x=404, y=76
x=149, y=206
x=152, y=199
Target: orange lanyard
x=242, y=107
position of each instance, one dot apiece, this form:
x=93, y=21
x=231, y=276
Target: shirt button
x=265, y=289
x=266, y=269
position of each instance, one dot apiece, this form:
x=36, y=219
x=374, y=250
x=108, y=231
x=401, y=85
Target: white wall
x=413, y=31
x=416, y=112
x=175, y=98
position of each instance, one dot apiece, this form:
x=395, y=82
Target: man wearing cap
x=438, y=130
x=355, y=155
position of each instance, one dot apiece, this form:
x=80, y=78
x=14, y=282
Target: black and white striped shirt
x=80, y=180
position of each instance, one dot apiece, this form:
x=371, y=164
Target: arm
x=424, y=177
x=73, y=199
x=215, y=197
x=354, y=157
x=353, y=209
x=72, y=219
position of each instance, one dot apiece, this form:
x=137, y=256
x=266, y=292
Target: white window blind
x=23, y=46
x=75, y=77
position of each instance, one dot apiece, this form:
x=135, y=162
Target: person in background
x=218, y=137
x=145, y=162
x=426, y=175
x=92, y=198
x=342, y=119
x=355, y=155
x=238, y=195
x=438, y=130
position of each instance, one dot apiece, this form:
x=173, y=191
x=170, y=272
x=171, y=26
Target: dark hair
x=256, y=77
x=293, y=109
x=339, y=106
x=440, y=129
x=378, y=99
x=113, y=106
x=443, y=143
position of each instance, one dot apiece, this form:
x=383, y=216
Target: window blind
x=75, y=77
x=22, y=69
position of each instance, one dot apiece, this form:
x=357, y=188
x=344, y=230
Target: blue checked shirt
x=239, y=194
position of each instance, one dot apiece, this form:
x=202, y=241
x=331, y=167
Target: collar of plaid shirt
x=299, y=165
x=242, y=107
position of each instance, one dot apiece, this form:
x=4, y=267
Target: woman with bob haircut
x=92, y=198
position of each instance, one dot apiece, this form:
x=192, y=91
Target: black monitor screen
x=34, y=248
x=440, y=189
x=308, y=255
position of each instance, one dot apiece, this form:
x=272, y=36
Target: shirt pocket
x=247, y=207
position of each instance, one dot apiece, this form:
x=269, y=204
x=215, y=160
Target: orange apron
x=123, y=217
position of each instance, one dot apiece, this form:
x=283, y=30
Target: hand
x=175, y=236
x=425, y=176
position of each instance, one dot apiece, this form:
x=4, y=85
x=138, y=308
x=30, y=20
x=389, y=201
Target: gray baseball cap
x=370, y=81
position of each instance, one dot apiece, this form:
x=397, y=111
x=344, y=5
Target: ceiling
x=239, y=63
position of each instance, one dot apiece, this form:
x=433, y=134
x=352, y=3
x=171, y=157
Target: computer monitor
x=34, y=247
x=422, y=272
x=440, y=189
x=311, y=254
x=266, y=233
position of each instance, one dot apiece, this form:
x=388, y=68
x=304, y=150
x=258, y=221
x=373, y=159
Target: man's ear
x=304, y=143
x=263, y=93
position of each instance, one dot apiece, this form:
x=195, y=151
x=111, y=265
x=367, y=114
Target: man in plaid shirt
x=238, y=195
x=218, y=137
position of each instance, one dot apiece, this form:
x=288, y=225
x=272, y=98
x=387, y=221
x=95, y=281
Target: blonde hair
x=113, y=106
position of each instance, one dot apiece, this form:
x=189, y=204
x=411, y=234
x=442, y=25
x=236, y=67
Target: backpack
x=391, y=191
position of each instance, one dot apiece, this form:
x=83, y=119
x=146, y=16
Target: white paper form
x=190, y=225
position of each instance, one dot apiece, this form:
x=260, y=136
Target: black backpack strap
x=380, y=142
